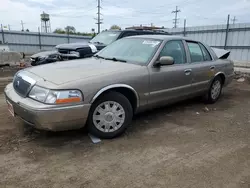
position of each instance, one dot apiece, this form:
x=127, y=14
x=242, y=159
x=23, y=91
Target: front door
x=170, y=82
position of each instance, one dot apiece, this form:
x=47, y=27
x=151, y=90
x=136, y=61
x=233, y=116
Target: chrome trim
x=26, y=78
x=53, y=107
x=211, y=81
x=201, y=83
x=116, y=86
x=171, y=89
x=220, y=73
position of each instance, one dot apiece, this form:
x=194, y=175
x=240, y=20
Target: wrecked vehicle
x=128, y=76
x=44, y=58
x=83, y=50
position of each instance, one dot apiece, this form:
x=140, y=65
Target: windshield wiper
x=115, y=59
x=99, y=56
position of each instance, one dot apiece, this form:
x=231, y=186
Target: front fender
x=116, y=86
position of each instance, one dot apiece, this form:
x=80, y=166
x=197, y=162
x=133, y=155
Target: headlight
x=75, y=53
x=55, y=96
x=38, y=93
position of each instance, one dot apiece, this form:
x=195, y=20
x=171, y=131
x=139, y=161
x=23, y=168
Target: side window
x=195, y=52
x=206, y=54
x=175, y=49
x=127, y=34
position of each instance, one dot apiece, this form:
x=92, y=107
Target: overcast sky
x=81, y=13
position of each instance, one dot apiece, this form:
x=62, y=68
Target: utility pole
x=234, y=20
x=227, y=31
x=22, y=25
x=2, y=34
x=39, y=38
x=176, y=11
x=99, y=20
x=184, y=28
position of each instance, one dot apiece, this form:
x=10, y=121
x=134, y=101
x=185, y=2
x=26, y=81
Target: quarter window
x=174, y=49
x=207, y=56
x=195, y=52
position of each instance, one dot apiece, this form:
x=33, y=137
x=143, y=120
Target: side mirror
x=166, y=60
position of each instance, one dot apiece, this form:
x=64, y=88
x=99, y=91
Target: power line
x=176, y=11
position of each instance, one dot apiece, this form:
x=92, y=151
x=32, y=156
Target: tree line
x=72, y=31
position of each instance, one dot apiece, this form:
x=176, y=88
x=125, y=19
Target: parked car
x=87, y=49
x=128, y=76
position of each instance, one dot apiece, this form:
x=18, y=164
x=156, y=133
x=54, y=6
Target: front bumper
x=47, y=117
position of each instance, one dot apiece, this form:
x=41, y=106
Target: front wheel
x=215, y=90
x=110, y=115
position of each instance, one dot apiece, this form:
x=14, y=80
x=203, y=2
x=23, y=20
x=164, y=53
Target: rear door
x=170, y=82
x=202, y=66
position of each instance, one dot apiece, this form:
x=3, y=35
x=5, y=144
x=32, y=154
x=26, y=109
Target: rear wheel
x=215, y=90
x=110, y=115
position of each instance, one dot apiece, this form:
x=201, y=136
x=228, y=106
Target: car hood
x=43, y=54
x=73, y=46
x=68, y=71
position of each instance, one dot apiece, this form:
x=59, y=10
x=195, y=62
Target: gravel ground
x=183, y=145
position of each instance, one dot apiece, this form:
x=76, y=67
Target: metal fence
x=31, y=42
x=233, y=37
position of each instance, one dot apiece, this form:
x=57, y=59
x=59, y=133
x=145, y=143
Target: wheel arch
x=134, y=99
x=222, y=76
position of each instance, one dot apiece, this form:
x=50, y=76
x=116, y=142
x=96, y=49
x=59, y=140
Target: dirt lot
x=183, y=145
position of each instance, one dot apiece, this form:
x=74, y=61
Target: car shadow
x=142, y=121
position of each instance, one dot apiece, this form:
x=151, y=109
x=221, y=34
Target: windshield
x=131, y=50
x=106, y=37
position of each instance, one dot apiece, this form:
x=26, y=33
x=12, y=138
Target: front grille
x=21, y=86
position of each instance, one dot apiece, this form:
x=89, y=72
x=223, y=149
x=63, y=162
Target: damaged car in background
x=86, y=49
x=129, y=76
x=44, y=58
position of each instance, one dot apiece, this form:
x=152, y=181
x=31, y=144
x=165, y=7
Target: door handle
x=188, y=71
x=212, y=67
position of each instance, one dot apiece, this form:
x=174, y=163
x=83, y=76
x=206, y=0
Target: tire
x=118, y=113
x=214, y=94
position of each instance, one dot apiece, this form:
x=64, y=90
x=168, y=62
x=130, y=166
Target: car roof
x=138, y=30
x=160, y=37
